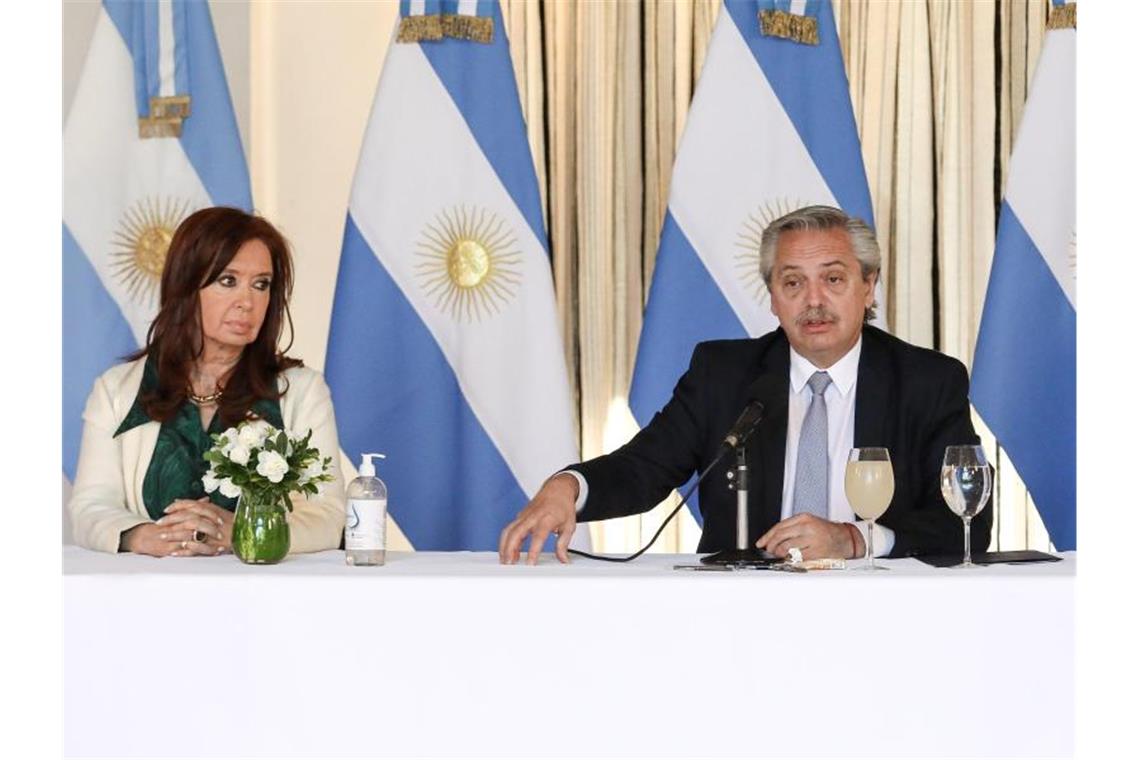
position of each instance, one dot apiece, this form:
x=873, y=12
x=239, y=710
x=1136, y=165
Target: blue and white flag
x=444, y=351
x=770, y=129
x=150, y=138
x=1025, y=364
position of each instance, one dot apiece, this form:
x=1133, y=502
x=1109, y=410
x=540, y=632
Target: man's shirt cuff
x=583, y=488
x=884, y=537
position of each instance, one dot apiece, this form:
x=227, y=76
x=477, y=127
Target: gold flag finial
x=435, y=27
x=790, y=26
x=166, y=117
x=420, y=28
x=1063, y=17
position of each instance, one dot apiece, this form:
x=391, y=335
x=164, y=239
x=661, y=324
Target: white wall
x=314, y=69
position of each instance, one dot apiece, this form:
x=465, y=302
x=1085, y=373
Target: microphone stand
x=743, y=555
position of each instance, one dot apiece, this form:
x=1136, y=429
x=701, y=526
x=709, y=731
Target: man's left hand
x=814, y=537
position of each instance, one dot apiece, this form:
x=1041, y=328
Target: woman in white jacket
x=211, y=360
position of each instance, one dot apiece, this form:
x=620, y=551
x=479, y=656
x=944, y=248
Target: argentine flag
x=444, y=351
x=770, y=130
x=1025, y=364
x=150, y=138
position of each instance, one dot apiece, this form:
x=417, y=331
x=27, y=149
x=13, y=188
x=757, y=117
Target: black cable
x=684, y=500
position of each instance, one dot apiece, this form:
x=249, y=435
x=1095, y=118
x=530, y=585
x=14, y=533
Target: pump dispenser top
x=367, y=468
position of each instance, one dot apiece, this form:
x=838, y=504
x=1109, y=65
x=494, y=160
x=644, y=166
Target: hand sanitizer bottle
x=365, y=515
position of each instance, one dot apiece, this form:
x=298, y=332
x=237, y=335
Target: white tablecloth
x=453, y=654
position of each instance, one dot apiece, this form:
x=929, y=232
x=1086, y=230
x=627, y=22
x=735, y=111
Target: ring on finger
x=199, y=536
x=795, y=555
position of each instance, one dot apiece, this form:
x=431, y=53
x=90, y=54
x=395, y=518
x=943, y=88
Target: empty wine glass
x=869, y=484
x=966, y=482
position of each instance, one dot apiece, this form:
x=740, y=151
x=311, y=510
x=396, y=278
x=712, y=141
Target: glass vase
x=261, y=533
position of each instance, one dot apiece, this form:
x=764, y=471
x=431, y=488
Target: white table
x=453, y=654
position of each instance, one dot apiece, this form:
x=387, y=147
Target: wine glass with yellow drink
x=869, y=484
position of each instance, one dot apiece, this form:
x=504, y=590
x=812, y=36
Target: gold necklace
x=204, y=400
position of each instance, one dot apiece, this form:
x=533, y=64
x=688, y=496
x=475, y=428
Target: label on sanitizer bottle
x=364, y=525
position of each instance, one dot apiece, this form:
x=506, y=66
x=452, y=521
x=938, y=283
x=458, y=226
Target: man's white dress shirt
x=840, y=399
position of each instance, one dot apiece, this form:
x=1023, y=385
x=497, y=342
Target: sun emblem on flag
x=469, y=262
x=747, y=258
x=141, y=243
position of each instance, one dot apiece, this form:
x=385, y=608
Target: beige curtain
x=937, y=86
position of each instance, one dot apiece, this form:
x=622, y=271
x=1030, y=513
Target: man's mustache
x=816, y=314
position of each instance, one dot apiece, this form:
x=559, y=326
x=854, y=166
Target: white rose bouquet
x=261, y=460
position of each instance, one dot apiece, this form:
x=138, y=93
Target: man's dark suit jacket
x=909, y=399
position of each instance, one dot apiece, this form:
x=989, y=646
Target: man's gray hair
x=818, y=219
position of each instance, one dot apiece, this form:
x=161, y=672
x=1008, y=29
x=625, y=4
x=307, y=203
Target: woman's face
x=234, y=305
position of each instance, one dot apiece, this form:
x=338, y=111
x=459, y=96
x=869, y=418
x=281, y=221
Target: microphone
x=760, y=392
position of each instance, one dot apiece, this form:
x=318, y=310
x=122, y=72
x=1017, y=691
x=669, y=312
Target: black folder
x=990, y=558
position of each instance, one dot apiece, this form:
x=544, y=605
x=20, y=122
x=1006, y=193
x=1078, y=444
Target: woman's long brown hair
x=202, y=247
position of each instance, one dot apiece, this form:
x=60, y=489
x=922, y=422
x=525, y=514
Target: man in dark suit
x=834, y=382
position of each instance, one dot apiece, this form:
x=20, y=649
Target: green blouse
x=177, y=465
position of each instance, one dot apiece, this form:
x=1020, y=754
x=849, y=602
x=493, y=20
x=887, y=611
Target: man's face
x=819, y=294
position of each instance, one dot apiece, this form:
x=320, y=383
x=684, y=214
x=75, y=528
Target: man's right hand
x=550, y=511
